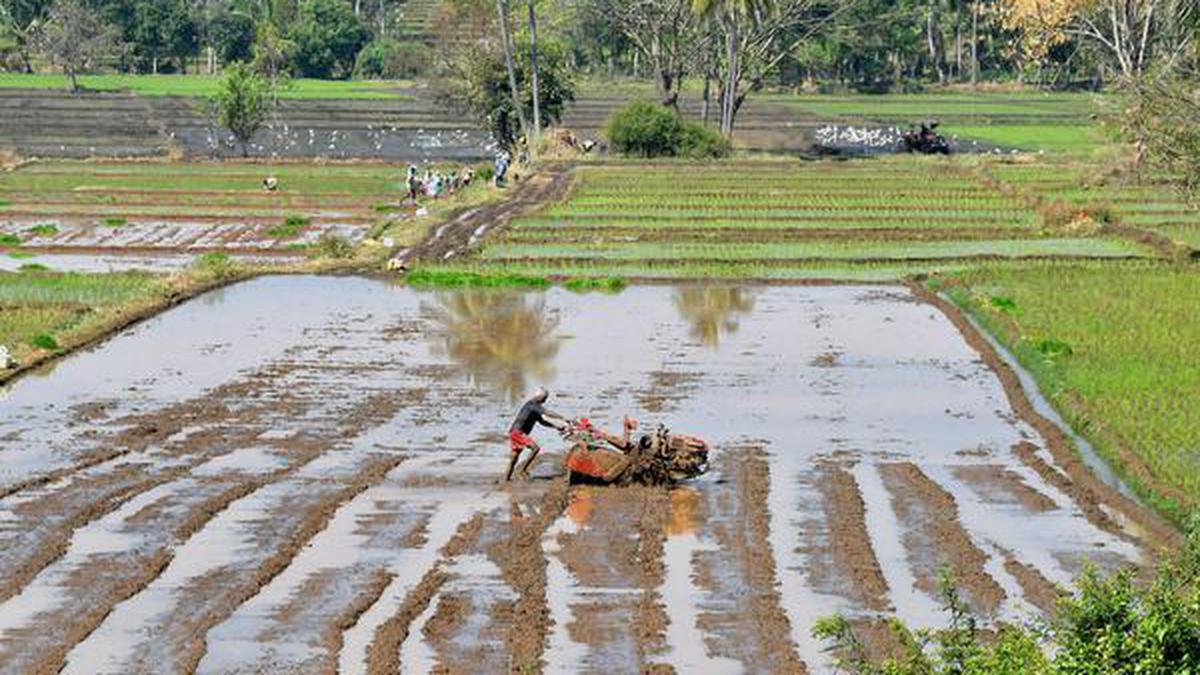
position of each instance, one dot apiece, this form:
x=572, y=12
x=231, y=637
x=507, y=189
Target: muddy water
x=298, y=474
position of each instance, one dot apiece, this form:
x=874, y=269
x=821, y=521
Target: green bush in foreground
x=1110, y=626
x=644, y=129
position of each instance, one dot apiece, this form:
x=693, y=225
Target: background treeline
x=308, y=38
x=851, y=44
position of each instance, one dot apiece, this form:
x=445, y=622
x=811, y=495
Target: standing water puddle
x=259, y=410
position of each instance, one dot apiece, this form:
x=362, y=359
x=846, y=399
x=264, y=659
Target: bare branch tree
x=75, y=38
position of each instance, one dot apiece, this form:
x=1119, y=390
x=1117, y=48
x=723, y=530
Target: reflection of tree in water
x=713, y=311
x=501, y=339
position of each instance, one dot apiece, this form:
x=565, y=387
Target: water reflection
x=713, y=311
x=502, y=339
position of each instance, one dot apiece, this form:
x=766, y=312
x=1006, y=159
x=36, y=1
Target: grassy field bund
x=206, y=85
x=1113, y=347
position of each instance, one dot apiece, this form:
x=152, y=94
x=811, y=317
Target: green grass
x=205, y=86
x=44, y=310
x=1055, y=138
x=290, y=228
x=1114, y=348
x=841, y=250
x=456, y=278
x=43, y=230
x=7, y=239
x=113, y=221
x=1189, y=235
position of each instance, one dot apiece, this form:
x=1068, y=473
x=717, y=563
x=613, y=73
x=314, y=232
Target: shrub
x=9, y=239
x=45, y=341
x=699, y=142
x=332, y=246
x=289, y=229
x=391, y=60
x=44, y=230
x=215, y=264
x=645, y=129
x=1116, y=625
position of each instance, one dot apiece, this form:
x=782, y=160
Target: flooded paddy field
x=300, y=475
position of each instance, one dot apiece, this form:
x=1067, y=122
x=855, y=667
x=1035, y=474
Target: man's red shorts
x=518, y=441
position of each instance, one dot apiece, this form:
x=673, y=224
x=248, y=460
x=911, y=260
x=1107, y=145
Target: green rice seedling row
x=850, y=250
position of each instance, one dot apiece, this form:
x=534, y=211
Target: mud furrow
x=651, y=627
x=1084, y=498
x=314, y=522
x=773, y=628
x=383, y=654
x=524, y=568
x=850, y=542
x=367, y=596
x=52, y=546
x=1038, y=590
x=935, y=539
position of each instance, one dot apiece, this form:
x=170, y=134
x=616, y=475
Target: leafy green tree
x=21, y=19
x=328, y=37
x=163, y=29
x=479, y=84
x=1162, y=119
x=273, y=53
x=75, y=38
x=242, y=103
x=232, y=35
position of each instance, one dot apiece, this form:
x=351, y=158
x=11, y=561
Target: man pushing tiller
x=531, y=414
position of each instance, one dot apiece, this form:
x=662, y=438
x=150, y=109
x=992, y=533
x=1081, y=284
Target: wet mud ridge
x=466, y=227
x=315, y=491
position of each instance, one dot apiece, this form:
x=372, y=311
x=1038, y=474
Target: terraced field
x=1150, y=204
x=767, y=220
x=186, y=208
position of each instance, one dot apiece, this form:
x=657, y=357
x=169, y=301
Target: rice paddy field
x=173, y=209
x=792, y=220
x=1114, y=347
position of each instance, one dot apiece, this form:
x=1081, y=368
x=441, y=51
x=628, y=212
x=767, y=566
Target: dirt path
x=464, y=228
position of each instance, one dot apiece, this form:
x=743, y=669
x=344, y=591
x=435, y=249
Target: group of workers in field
x=436, y=184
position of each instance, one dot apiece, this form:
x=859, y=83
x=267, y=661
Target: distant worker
x=532, y=413
x=412, y=183
x=501, y=167
x=270, y=184
x=468, y=175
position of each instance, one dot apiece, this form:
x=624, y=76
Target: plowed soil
x=300, y=475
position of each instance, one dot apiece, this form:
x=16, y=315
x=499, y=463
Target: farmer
x=412, y=183
x=531, y=414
